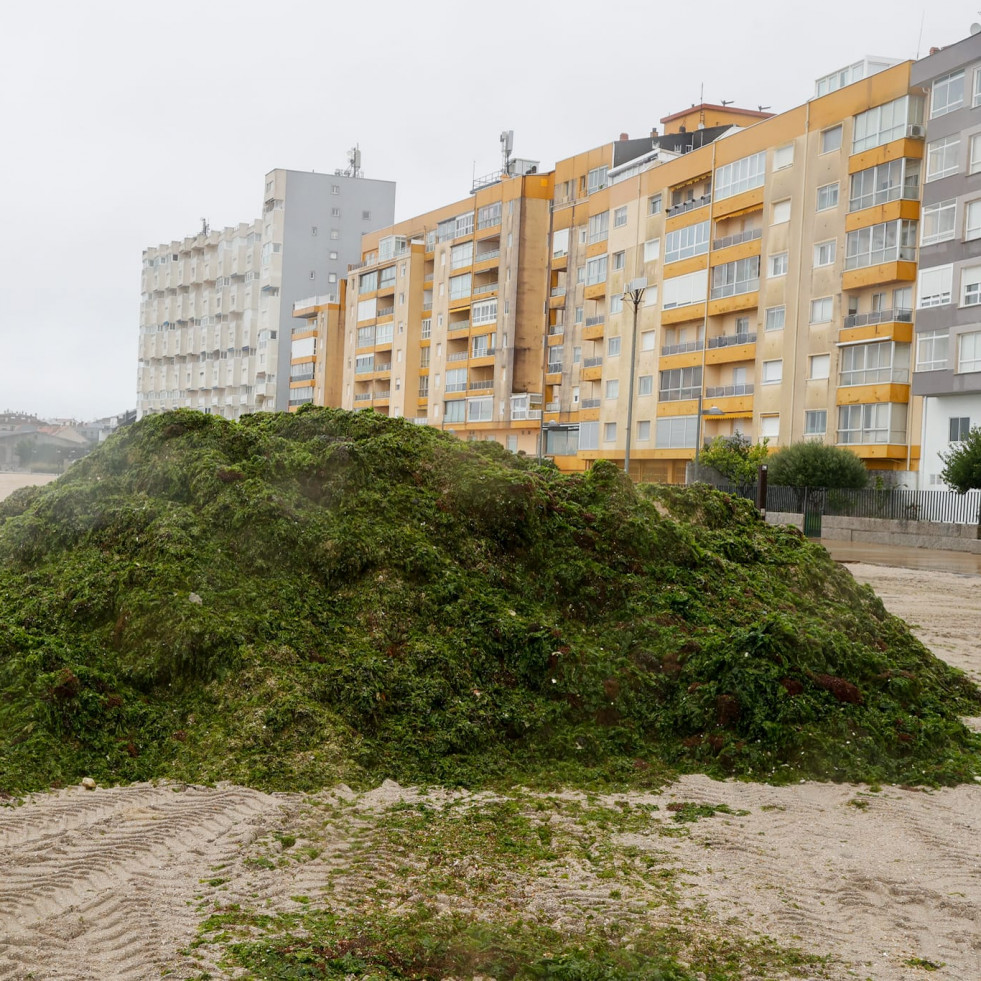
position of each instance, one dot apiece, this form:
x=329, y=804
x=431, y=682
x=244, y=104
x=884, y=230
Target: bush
x=735, y=457
x=962, y=463
x=810, y=464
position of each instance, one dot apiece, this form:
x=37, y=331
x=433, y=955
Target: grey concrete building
x=216, y=311
x=948, y=300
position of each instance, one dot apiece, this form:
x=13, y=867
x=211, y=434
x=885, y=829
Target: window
x=734, y=278
x=609, y=432
x=777, y=264
x=460, y=286
x=560, y=242
x=645, y=385
x=820, y=366
x=821, y=310
x=676, y=432
x=781, y=212
x=616, y=303
x=740, y=175
x=461, y=255
x=654, y=204
x=613, y=389
x=971, y=286
x=935, y=286
x=770, y=426
x=831, y=140
x=456, y=379
x=490, y=215
x=974, y=161
x=335, y=212
x=871, y=423
x=613, y=346
x=332, y=255
x=938, y=221
x=596, y=179
x=681, y=291
x=484, y=312
x=883, y=124
x=931, y=350
x=888, y=242
x=599, y=227
x=644, y=430
x=868, y=364
x=776, y=318
x=686, y=242
x=334, y=234
x=652, y=249
x=824, y=253
x=827, y=197
x=969, y=352
x=947, y=94
x=885, y=182
x=576, y=354
x=366, y=216
x=815, y=422
x=619, y=259
x=647, y=340
x=596, y=270
x=942, y=157
x=959, y=428
x=972, y=220
x=620, y=217
x=335, y=188
x=367, y=309
x=772, y=372
x=783, y=156
x=678, y=384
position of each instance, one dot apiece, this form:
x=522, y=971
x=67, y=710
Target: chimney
x=654, y=133
x=624, y=137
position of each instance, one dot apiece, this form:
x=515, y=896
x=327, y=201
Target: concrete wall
x=877, y=531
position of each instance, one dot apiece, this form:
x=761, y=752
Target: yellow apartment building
x=443, y=321
x=772, y=260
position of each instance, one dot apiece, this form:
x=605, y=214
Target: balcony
x=690, y=205
x=591, y=362
x=456, y=325
x=553, y=406
x=590, y=403
x=904, y=253
x=553, y=367
x=898, y=316
x=686, y=348
x=738, y=239
x=481, y=384
x=725, y=391
x=385, y=311
x=362, y=396
x=593, y=321
x=883, y=195
x=555, y=329
x=384, y=366
x=427, y=328
x=558, y=291
x=677, y=394
x=457, y=356
x=874, y=376
x=482, y=288
x=730, y=340
x=485, y=256
x=735, y=289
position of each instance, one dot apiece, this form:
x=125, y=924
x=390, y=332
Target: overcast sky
x=125, y=123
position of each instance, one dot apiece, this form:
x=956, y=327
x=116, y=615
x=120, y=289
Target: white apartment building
x=216, y=309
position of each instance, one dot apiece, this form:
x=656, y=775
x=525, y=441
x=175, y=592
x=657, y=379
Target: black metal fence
x=898, y=504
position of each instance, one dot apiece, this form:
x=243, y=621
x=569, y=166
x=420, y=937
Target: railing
x=591, y=362
x=386, y=366
x=883, y=195
x=362, y=396
x=457, y=356
x=385, y=311
x=898, y=315
x=484, y=288
x=427, y=328
x=590, y=403
x=302, y=375
x=555, y=329
x=677, y=394
x=737, y=239
x=874, y=376
x=685, y=348
x=735, y=289
x=486, y=352
x=385, y=393
x=690, y=205
x=593, y=321
x=484, y=256
x=724, y=391
x=458, y=325
x=309, y=328
x=553, y=367
x=427, y=280
x=519, y=415
x=557, y=291
x=423, y=392
x=896, y=253
x=481, y=385
x=314, y=301
x=731, y=340
x=456, y=386
x=553, y=406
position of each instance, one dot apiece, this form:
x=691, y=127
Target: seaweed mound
x=292, y=600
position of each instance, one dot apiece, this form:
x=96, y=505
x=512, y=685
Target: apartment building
x=948, y=302
x=444, y=314
x=778, y=254
x=216, y=311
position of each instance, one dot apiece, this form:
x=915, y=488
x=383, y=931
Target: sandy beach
x=883, y=882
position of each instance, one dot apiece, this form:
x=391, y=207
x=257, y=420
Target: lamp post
x=634, y=293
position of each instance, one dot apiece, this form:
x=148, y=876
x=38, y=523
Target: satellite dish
x=975, y=28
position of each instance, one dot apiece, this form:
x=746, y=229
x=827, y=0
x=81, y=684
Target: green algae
x=292, y=600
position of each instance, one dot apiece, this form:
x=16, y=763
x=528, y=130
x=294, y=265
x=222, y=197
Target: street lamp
x=634, y=293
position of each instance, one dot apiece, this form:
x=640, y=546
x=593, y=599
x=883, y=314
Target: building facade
x=216, y=311
x=948, y=303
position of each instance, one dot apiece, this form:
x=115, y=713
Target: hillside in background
x=295, y=600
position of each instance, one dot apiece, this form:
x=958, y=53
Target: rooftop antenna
x=919, y=39
x=726, y=102
x=204, y=226
x=354, y=162
x=507, y=145
x=764, y=108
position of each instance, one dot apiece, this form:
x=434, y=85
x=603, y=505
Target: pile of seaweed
x=292, y=600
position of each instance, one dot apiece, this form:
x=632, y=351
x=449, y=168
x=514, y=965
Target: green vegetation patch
x=290, y=601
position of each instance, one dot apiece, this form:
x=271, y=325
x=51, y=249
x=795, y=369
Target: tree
x=736, y=457
x=962, y=463
x=810, y=464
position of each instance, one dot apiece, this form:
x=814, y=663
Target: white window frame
x=969, y=352
x=827, y=196
x=770, y=426
x=777, y=264
x=739, y=176
x=813, y=419
x=609, y=432
x=771, y=372
x=775, y=318
x=932, y=350
x=970, y=295
x=620, y=217
x=831, y=139
x=943, y=156
x=652, y=250
x=612, y=390
x=819, y=367
x=654, y=205
x=822, y=310
x=938, y=221
x=972, y=220
x=934, y=286
x=783, y=156
x=780, y=213
x=946, y=87
x=824, y=253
